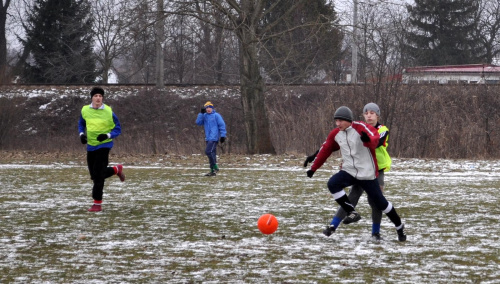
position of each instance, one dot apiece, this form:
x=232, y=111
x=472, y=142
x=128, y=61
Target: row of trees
x=201, y=41
x=249, y=42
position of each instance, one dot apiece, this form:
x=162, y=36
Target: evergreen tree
x=443, y=32
x=307, y=40
x=59, y=38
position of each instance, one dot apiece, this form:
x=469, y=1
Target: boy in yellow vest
x=98, y=126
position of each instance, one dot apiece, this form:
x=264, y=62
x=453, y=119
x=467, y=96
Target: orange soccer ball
x=267, y=224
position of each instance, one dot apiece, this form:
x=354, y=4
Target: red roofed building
x=449, y=74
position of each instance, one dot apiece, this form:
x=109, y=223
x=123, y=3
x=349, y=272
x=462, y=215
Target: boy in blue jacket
x=215, y=131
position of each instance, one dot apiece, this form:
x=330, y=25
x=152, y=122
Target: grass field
x=172, y=224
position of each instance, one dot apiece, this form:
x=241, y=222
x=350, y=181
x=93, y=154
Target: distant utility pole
x=354, y=47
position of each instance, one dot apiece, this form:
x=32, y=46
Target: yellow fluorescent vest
x=383, y=159
x=98, y=121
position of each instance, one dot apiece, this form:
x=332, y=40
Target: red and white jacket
x=358, y=157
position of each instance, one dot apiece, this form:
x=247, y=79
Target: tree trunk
x=159, y=31
x=3, y=42
x=106, y=67
x=219, y=61
x=253, y=97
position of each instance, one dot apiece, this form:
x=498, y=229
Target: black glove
x=310, y=159
x=222, y=140
x=102, y=137
x=203, y=110
x=310, y=173
x=364, y=137
x=83, y=138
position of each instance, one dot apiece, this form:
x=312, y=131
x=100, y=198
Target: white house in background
x=453, y=74
x=112, y=77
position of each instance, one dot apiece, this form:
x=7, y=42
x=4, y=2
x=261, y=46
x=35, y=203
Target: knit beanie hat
x=208, y=104
x=96, y=90
x=343, y=113
x=372, y=107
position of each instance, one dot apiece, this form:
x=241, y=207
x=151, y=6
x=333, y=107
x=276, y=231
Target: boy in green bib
x=98, y=126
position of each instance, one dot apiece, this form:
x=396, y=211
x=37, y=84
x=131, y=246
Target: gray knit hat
x=343, y=113
x=373, y=107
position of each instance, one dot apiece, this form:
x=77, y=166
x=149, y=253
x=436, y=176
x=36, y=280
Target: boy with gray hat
x=371, y=114
x=357, y=142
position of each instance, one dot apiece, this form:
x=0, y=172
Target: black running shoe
x=211, y=174
x=401, y=234
x=329, y=230
x=352, y=217
x=376, y=237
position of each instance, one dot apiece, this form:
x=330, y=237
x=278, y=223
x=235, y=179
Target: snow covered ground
x=172, y=224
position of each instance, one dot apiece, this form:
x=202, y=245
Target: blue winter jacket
x=214, y=125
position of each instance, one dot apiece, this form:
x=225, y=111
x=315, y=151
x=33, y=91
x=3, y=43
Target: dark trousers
x=354, y=195
x=342, y=179
x=97, y=162
x=211, y=152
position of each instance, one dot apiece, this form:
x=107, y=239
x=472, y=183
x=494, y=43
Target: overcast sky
x=345, y=7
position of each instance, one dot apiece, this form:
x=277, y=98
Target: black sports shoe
x=401, y=234
x=211, y=174
x=352, y=217
x=376, y=237
x=329, y=230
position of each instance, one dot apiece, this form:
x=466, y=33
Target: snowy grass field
x=170, y=224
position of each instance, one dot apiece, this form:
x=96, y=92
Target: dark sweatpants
x=342, y=179
x=354, y=195
x=211, y=152
x=97, y=162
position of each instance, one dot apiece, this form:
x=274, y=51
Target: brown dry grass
x=425, y=121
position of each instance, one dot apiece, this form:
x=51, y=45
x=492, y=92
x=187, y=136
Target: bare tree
x=16, y=18
x=245, y=20
x=382, y=29
x=218, y=52
x=137, y=62
x=159, y=41
x=180, y=50
x=3, y=41
x=109, y=31
x=489, y=28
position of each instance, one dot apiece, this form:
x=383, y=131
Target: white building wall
x=450, y=78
